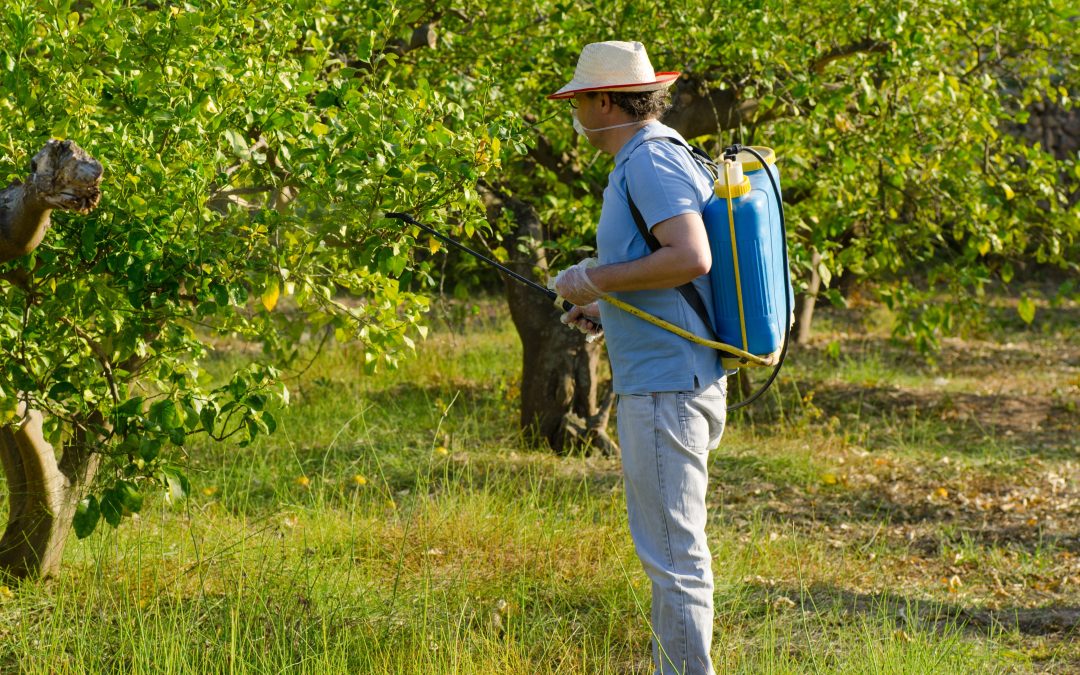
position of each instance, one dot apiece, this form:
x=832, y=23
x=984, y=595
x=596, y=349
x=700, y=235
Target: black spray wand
x=559, y=302
x=567, y=306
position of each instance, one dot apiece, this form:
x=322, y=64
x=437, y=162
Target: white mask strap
x=581, y=128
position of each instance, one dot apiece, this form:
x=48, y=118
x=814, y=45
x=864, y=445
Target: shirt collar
x=651, y=130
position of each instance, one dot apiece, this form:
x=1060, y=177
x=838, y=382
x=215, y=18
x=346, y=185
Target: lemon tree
x=249, y=152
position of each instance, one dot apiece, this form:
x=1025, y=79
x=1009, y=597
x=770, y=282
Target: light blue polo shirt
x=665, y=181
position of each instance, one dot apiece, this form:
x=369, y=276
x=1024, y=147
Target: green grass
x=867, y=518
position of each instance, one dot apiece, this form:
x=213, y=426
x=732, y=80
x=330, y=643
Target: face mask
x=581, y=128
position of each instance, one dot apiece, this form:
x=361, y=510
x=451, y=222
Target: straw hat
x=614, y=66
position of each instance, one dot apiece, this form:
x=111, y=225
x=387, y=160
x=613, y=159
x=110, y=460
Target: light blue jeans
x=665, y=439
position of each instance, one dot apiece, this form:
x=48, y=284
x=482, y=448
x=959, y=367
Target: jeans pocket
x=693, y=425
x=702, y=417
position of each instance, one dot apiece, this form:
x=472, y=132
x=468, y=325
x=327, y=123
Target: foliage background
x=250, y=149
x=246, y=165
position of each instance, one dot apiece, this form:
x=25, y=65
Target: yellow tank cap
x=724, y=192
x=750, y=163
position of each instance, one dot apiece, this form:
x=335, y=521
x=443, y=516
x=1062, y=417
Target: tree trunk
x=698, y=109
x=558, y=380
x=42, y=494
x=804, y=311
x=559, y=392
x=42, y=497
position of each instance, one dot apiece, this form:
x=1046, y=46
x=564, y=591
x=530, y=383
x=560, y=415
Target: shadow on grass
x=858, y=518
x=1025, y=424
x=823, y=599
x=1047, y=425
x=1020, y=499
x=902, y=505
x=955, y=356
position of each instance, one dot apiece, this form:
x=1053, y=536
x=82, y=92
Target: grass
x=879, y=514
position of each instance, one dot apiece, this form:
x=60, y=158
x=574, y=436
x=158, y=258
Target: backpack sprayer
x=749, y=281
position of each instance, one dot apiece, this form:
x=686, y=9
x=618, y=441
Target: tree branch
x=699, y=109
x=99, y=352
x=867, y=46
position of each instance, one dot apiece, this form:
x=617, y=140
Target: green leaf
x=1026, y=309
x=130, y=498
x=238, y=144
x=270, y=421
x=177, y=436
x=208, y=417
x=149, y=448
x=257, y=425
x=112, y=508
x=89, y=239
x=167, y=414
x=177, y=487
x=255, y=401
x=61, y=390
x=87, y=514
x=825, y=273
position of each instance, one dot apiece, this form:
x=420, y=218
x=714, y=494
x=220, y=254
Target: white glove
x=582, y=318
x=574, y=284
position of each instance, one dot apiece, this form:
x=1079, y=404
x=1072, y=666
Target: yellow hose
x=747, y=357
x=769, y=360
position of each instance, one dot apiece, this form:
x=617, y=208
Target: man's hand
x=574, y=284
x=581, y=317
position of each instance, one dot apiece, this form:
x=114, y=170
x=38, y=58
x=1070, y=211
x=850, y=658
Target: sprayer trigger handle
x=565, y=305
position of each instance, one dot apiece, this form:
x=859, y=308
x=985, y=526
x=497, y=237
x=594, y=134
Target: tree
x=41, y=493
x=249, y=151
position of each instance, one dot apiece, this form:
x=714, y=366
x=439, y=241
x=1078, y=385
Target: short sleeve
x=660, y=178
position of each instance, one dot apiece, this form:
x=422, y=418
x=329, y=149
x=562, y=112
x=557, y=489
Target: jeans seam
x=682, y=409
x=657, y=406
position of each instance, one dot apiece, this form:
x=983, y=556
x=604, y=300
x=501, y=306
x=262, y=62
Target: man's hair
x=642, y=104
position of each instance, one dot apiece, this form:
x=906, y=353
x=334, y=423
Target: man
x=672, y=392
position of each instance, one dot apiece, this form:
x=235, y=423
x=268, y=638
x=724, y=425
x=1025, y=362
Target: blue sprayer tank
x=751, y=284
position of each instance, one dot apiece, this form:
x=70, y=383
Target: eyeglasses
x=573, y=100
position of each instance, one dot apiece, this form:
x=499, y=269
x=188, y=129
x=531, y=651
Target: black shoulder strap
x=688, y=290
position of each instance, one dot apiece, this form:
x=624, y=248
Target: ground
x=881, y=510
